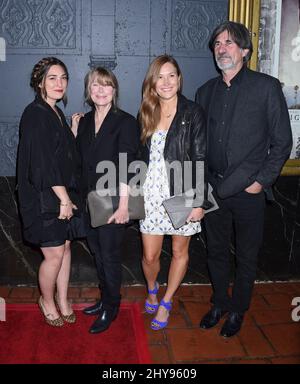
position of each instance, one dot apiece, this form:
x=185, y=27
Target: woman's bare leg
x=177, y=271
x=62, y=282
x=48, y=272
x=152, y=245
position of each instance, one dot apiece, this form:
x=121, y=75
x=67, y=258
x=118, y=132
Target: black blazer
x=118, y=134
x=47, y=157
x=260, y=138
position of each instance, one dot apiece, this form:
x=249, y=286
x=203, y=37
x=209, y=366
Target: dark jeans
x=105, y=243
x=245, y=212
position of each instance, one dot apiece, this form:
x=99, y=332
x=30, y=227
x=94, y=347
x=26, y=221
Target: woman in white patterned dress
x=173, y=129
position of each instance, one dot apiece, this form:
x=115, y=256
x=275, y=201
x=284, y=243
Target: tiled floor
x=269, y=335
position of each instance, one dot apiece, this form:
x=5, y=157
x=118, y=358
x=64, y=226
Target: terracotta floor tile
x=203, y=299
x=194, y=290
x=285, y=288
x=279, y=300
x=74, y=292
x=213, y=362
x=275, y=316
x=258, y=302
x=154, y=337
x=160, y=354
x=252, y=361
x=286, y=360
x=90, y=293
x=202, y=290
x=138, y=291
x=195, y=310
x=297, y=287
x=255, y=343
x=21, y=292
x=36, y=293
x=195, y=344
x=124, y=291
x=176, y=320
x=19, y=300
x=285, y=338
x=261, y=288
x=4, y=292
x=248, y=320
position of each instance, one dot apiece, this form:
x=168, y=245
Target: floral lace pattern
x=156, y=190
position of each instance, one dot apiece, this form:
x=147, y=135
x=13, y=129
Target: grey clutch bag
x=101, y=207
x=179, y=207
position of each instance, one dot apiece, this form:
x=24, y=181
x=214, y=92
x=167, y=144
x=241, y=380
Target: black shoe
x=232, y=324
x=93, y=309
x=212, y=318
x=104, y=320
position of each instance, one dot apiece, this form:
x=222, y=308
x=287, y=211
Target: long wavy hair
x=150, y=110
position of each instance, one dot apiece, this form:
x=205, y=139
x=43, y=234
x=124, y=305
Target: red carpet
x=26, y=338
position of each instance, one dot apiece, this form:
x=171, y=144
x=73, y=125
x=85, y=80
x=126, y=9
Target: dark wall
x=122, y=34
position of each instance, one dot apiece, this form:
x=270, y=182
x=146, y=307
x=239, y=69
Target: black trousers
x=105, y=243
x=245, y=213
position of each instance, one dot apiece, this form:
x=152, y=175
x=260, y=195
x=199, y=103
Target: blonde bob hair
x=150, y=110
x=104, y=77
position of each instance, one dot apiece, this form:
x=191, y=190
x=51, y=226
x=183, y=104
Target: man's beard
x=227, y=65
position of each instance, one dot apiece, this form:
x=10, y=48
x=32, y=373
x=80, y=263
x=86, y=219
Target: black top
x=117, y=135
x=219, y=123
x=46, y=157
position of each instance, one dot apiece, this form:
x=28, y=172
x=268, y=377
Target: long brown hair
x=149, y=113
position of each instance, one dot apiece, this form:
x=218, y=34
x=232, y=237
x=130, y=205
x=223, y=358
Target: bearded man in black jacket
x=248, y=140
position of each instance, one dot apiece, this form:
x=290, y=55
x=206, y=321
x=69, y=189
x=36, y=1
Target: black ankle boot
x=94, y=309
x=232, y=324
x=212, y=318
x=103, y=321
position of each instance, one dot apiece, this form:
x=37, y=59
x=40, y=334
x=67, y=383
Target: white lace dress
x=156, y=190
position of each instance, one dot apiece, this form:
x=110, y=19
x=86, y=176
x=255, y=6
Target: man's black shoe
x=93, y=309
x=212, y=318
x=102, y=323
x=232, y=324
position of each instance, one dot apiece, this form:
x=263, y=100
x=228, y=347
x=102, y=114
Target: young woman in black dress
x=46, y=174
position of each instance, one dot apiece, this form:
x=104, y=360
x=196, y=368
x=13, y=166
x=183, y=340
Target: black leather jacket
x=185, y=141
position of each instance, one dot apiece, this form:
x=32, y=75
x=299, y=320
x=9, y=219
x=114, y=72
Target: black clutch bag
x=103, y=204
x=179, y=207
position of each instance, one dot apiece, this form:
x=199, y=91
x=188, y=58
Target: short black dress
x=46, y=157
